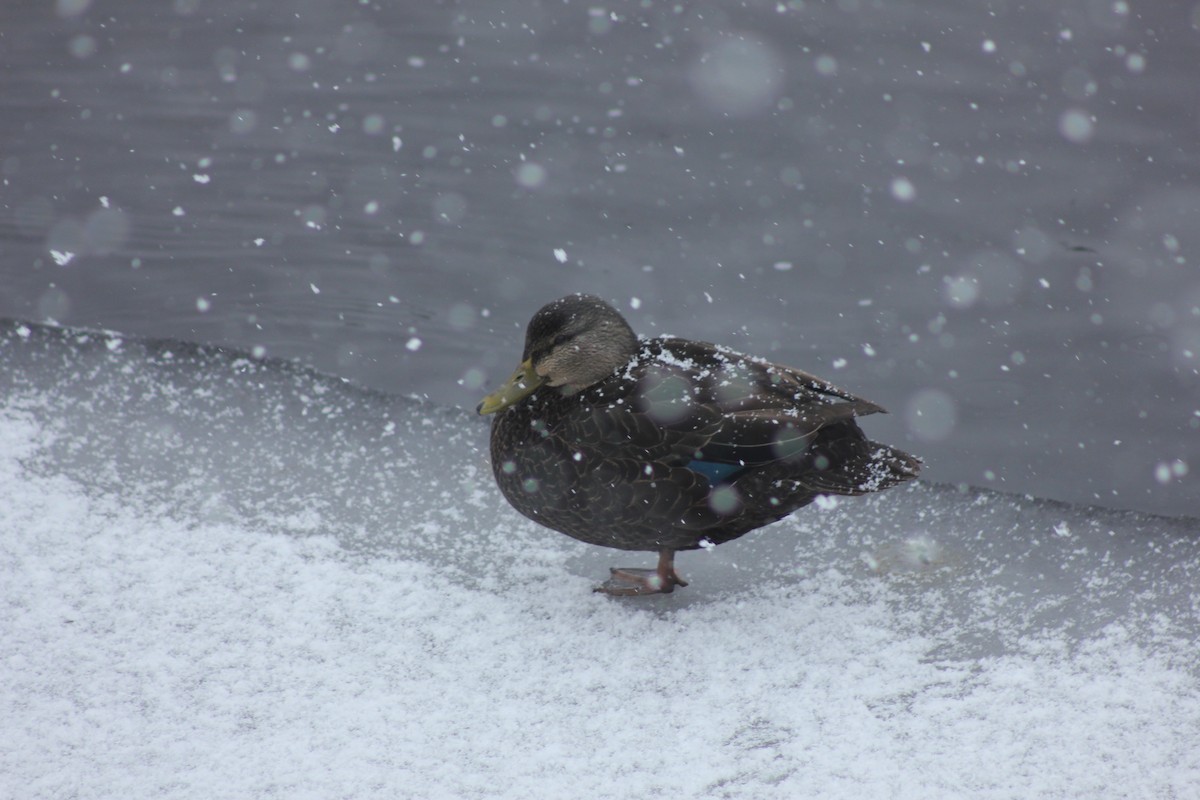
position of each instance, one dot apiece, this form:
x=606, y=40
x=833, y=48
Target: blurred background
x=983, y=215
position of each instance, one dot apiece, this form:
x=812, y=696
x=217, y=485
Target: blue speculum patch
x=714, y=470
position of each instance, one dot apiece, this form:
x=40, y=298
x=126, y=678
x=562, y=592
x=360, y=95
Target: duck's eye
x=563, y=338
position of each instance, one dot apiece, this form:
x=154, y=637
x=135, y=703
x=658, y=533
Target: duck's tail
x=860, y=466
x=889, y=466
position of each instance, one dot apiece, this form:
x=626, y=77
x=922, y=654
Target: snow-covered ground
x=223, y=577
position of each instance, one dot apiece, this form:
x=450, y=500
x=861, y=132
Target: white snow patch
x=903, y=189
x=213, y=593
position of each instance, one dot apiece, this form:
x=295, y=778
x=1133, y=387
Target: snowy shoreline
x=245, y=579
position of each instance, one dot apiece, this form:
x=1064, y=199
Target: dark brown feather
x=610, y=464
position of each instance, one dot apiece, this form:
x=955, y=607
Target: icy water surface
x=227, y=576
x=981, y=215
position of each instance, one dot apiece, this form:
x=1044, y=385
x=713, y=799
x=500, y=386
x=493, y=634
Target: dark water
x=982, y=215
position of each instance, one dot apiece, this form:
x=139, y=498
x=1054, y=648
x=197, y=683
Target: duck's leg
x=630, y=581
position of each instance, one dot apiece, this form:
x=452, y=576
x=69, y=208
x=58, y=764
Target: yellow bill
x=522, y=384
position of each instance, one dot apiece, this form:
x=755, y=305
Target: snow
x=222, y=576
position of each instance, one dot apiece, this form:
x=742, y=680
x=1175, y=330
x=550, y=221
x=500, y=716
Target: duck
x=666, y=444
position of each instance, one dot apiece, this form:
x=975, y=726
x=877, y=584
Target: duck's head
x=570, y=344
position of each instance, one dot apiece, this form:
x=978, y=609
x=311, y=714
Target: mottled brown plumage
x=668, y=444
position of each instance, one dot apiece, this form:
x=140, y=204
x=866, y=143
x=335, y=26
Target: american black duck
x=668, y=444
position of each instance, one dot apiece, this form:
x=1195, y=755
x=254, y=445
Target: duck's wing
x=764, y=412
x=735, y=380
x=686, y=417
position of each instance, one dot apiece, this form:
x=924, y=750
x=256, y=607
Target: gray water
x=981, y=215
